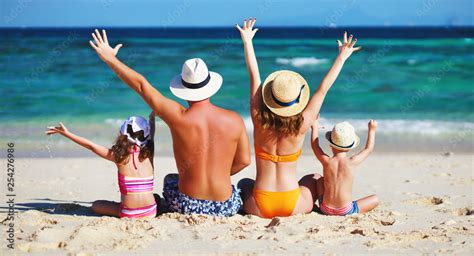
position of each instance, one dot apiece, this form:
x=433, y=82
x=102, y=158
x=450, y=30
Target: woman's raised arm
x=247, y=32
x=316, y=101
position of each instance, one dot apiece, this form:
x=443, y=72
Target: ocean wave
x=118, y=122
x=412, y=61
x=385, y=126
x=397, y=126
x=114, y=122
x=301, y=61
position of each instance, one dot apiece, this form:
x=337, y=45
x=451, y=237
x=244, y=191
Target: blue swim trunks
x=352, y=208
x=181, y=203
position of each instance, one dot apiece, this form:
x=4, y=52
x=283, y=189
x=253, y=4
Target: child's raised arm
x=346, y=48
x=247, y=33
x=318, y=151
x=97, y=149
x=369, y=146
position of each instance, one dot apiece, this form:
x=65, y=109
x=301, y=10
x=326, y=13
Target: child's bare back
x=338, y=177
x=335, y=192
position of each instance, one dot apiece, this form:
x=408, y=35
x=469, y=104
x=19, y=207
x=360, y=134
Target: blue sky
x=166, y=13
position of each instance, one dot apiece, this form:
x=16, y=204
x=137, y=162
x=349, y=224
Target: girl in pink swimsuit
x=133, y=154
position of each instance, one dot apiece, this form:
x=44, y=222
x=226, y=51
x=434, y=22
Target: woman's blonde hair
x=290, y=125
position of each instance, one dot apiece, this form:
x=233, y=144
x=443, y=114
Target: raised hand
x=372, y=125
x=246, y=31
x=102, y=46
x=347, y=47
x=315, y=123
x=61, y=129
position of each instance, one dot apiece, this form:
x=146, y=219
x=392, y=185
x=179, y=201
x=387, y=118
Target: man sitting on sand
x=335, y=192
x=210, y=143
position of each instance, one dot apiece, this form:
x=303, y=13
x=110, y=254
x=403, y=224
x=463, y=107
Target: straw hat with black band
x=285, y=93
x=343, y=137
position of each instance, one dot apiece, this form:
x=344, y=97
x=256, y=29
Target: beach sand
x=426, y=207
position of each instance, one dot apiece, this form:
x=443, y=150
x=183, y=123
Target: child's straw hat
x=343, y=137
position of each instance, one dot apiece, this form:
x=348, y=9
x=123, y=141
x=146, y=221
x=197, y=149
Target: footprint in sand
x=412, y=194
x=431, y=200
x=442, y=174
x=466, y=211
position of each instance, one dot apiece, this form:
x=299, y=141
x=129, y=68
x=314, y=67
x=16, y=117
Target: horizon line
x=220, y=27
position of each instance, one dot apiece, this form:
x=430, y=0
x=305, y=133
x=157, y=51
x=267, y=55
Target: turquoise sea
x=420, y=89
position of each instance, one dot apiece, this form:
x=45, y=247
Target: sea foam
x=301, y=61
x=397, y=126
x=385, y=126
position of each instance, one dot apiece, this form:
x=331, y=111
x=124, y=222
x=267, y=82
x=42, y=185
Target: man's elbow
x=239, y=166
x=244, y=162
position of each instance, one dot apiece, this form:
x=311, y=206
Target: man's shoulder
x=229, y=113
x=228, y=119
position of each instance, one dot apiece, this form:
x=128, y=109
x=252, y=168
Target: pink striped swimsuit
x=351, y=208
x=135, y=185
x=132, y=185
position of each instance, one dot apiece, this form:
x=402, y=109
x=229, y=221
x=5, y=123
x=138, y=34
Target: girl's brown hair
x=280, y=124
x=121, y=148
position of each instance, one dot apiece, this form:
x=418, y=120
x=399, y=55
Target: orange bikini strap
x=276, y=159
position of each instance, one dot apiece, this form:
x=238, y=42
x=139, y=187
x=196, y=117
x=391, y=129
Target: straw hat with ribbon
x=285, y=93
x=343, y=137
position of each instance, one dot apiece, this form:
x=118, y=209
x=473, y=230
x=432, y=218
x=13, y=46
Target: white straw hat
x=285, y=93
x=343, y=137
x=195, y=83
x=137, y=124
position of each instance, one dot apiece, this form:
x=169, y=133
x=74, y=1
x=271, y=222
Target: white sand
x=427, y=202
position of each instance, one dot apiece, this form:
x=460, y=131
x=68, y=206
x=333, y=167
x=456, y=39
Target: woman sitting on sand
x=282, y=112
x=133, y=154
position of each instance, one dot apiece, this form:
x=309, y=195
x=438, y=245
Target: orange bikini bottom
x=272, y=204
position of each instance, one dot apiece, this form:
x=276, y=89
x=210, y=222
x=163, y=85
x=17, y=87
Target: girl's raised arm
x=97, y=149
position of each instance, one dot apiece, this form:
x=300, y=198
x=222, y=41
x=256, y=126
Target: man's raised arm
x=165, y=108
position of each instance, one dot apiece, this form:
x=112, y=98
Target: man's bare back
x=204, y=142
